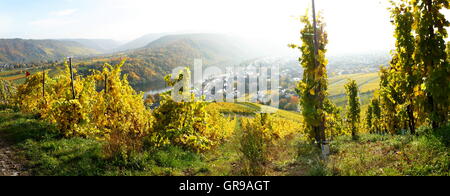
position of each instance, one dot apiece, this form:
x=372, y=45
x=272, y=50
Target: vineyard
x=114, y=133
x=103, y=109
x=94, y=123
x=366, y=83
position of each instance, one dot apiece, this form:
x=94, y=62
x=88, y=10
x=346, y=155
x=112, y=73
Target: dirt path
x=8, y=165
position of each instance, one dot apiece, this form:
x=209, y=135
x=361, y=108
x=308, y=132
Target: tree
x=389, y=99
x=376, y=114
x=431, y=57
x=353, y=107
x=313, y=87
x=404, y=74
x=448, y=51
x=334, y=123
x=414, y=89
x=369, y=119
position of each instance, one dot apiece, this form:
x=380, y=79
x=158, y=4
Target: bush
x=29, y=97
x=7, y=90
x=254, y=145
x=116, y=114
x=264, y=138
x=188, y=123
x=443, y=133
x=310, y=155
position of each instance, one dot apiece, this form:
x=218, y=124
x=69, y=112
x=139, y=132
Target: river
x=155, y=92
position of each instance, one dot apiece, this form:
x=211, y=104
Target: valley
x=154, y=89
x=147, y=64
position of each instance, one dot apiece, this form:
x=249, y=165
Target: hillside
x=213, y=48
x=147, y=65
x=25, y=51
x=101, y=45
x=140, y=42
x=150, y=64
x=367, y=83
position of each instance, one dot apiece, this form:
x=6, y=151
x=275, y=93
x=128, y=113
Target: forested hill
x=213, y=48
x=101, y=45
x=140, y=42
x=151, y=63
x=26, y=51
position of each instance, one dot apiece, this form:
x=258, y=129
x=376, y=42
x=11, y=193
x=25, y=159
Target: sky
x=353, y=25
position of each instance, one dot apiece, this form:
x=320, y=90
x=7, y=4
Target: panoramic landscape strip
x=311, y=91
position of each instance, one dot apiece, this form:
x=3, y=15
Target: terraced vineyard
x=368, y=83
x=250, y=109
x=12, y=75
x=19, y=76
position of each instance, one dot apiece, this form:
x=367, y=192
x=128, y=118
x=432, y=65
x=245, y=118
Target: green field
x=19, y=76
x=368, y=83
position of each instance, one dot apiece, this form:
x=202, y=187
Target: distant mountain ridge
x=101, y=45
x=140, y=42
x=212, y=48
x=26, y=51
x=145, y=65
x=155, y=60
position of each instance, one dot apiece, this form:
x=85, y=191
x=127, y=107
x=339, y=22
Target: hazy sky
x=353, y=25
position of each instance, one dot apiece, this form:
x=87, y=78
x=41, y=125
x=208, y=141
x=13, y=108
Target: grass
x=19, y=77
x=289, y=115
x=245, y=109
x=250, y=109
x=225, y=161
x=391, y=156
x=13, y=78
x=11, y=73
x=46, y=153
x=230, y=160
x=378, y=155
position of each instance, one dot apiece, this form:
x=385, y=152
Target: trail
x=8, y=165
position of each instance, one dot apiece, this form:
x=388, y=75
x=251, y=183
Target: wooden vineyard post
x=71, y=77
x=43, y=83
x=106, y=83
